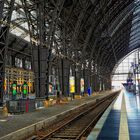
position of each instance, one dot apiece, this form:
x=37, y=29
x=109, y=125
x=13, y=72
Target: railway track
x=79, y=126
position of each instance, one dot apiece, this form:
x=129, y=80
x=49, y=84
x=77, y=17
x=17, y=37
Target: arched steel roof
x=103, y=22
x=100, y=32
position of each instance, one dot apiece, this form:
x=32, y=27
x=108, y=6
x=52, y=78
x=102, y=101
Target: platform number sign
x=25, y=88
x=14, y=88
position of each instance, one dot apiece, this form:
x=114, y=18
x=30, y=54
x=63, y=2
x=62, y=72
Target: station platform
x=15, y=123
x=120, y=121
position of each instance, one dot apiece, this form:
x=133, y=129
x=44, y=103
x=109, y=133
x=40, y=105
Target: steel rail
x=97, y=109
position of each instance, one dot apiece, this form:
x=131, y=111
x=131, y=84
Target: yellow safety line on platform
x=123, y=132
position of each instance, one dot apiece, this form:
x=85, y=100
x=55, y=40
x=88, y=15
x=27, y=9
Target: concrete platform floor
x=15, y=122
x=121, y=121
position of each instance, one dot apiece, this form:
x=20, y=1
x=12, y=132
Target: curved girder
x=134, y=38
x=121, y=36
x=102, y=30
x=121, y=59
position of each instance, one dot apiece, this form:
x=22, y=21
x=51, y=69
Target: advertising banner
x=72, y=84
x=50, y=88
x=82, y=84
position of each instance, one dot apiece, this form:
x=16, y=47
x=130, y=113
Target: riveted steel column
x=64, y=73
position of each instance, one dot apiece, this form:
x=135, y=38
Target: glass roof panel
x=125, y=66
x=135, y=29
x=19, y=25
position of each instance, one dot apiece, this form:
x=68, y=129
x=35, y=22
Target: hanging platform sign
x=82, y=84
x=72, y=84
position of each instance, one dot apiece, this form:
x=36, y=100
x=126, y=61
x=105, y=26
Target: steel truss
x=6, y=9
x=86, y=36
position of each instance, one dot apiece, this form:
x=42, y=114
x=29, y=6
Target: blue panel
x=110, y=129
x=133, y=113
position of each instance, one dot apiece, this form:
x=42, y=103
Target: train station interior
x=69, y=69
